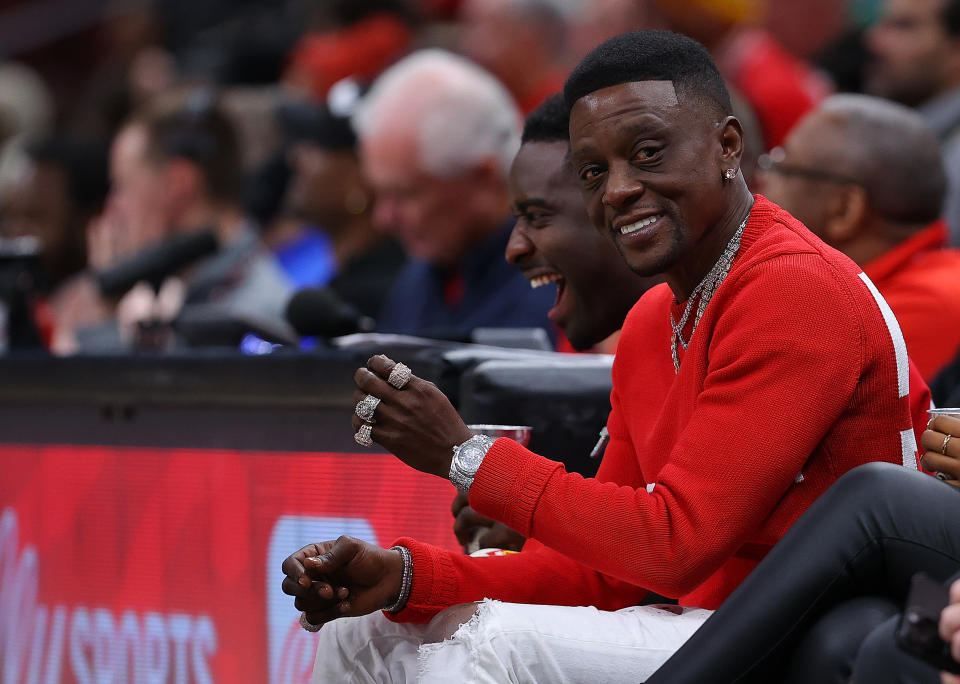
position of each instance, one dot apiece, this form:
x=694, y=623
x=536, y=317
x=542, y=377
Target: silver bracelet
x=407, y=581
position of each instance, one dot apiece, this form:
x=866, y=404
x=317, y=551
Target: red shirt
x=920, y=279
x=793, y=370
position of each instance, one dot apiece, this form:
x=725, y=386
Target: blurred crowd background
x=222, y=129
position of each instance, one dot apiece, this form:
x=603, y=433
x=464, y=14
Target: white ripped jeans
x=507, y=642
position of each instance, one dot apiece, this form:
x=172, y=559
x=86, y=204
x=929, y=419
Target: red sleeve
x=765, y=406
x=537, y=574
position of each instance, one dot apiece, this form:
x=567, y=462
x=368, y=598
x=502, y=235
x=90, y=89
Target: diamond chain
x=702, y=294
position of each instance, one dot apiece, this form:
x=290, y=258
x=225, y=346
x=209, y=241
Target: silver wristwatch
x=467, y=458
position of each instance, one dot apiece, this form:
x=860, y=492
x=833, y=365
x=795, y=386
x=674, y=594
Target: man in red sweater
x=866, y=176
x=767, y=366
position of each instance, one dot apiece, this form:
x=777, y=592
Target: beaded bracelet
x=407, y=581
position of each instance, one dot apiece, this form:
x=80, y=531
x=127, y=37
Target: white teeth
x=634, y=227
x=540, y=281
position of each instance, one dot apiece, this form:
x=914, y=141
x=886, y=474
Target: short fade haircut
x=549, y=122
x=650, y=56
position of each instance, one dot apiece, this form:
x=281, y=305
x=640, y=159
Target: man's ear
x=731, y=143
x=847, y=213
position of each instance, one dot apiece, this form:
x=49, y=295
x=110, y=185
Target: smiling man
x=553, y=240
x=743, y=388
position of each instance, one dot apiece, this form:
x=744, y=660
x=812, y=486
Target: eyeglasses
x=772, y=162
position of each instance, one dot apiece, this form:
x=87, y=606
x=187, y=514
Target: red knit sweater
x=792, y=370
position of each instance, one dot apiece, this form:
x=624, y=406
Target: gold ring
x=943, y=447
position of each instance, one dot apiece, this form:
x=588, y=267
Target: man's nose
x=519, y=246
x=621, y=187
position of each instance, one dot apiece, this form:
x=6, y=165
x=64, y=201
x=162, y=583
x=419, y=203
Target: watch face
x=471, y=456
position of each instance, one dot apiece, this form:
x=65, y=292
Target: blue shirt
x=495, y=295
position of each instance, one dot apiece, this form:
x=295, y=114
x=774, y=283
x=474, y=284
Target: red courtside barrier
x=163, y=565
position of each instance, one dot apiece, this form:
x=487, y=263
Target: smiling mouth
x=546, y=279
x=639, y=225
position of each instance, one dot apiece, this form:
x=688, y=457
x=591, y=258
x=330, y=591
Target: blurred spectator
x=437, y=137
x=915, y=60
x=26, y=113
x=593, y=22
x=62, y=185
x=520, y=42
x=175, y=171
x=329, y=192
x=384, y=29
x=133, y=68
x=865, y=175
x=778, y=86
x=805, y=28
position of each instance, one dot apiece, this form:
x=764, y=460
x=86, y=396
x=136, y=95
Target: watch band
x=467, y=458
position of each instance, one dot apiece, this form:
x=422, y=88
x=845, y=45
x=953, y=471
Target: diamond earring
x=729, y=174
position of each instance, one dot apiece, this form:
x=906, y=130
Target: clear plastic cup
x=952, y=412
x=518, y=433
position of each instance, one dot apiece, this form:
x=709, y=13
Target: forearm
x=535, y=575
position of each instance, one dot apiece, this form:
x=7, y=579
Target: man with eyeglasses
x=866, y=176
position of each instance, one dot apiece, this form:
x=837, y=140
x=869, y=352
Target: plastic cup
x=518, y=433
x=952, y=412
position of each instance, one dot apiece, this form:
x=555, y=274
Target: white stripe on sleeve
x=899, y=344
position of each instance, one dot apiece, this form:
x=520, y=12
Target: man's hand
x=341, y=578
x=932, y=442
x=469, y=527
x=418, y=424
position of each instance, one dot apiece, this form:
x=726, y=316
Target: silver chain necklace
x=702, y=294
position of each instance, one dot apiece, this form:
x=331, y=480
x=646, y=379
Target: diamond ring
x=399, y=376
x=366, y=407
x=363, y=437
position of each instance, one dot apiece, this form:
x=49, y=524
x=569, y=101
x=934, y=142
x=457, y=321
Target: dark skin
x=638, y=152
x=553, y=237
x=349, y=577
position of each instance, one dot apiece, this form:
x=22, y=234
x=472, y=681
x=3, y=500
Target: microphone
x=214, y=325
x=321, y=312
x=155, y=264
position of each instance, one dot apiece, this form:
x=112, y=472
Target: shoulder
x=785, y=256
x=653, y=305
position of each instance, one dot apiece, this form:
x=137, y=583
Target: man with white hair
x=437, y=136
